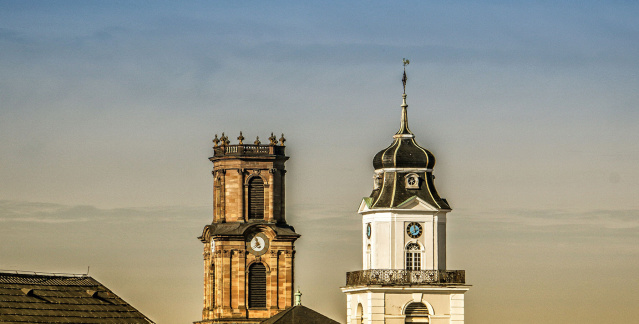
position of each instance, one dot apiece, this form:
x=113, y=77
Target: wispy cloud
x=38, y=212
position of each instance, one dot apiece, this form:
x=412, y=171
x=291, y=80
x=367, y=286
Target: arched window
x=416, y=313
x=256, y=198
x=257, y=286
x=360, y=314
x=369, y=263
x=413, y=256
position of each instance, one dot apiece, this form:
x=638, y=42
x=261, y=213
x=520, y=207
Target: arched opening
x=257, y=286
x=359, y=319
x=256, y=198
x=413, y=256
x=416, y=313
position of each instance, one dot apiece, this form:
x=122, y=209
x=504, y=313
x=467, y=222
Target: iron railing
x=392, y=277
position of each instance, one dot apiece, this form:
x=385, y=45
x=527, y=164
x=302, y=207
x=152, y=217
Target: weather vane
x=404, y=78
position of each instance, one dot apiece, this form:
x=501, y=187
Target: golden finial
x=272, y=139
x=225, y=140
x=257, y=141
x=215, y=141
x=282, y=140
x=241, y=138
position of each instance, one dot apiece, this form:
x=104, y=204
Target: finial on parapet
x=272, y=139
x=257, y=141
x=224, y=139
x=241, y=138
x=282, y=140
x=215, y=141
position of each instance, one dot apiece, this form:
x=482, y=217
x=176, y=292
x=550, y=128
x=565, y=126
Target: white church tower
x=405, y=279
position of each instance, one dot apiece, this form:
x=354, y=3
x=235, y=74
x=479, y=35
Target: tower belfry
x=404, y=277
x=248, y=248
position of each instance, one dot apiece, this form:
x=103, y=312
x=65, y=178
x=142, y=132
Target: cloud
x=37, y=212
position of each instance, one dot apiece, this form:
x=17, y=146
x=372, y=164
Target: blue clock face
x=368, y=230
x=414, y=230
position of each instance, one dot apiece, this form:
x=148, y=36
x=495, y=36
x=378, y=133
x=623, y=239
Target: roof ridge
x=42, y=273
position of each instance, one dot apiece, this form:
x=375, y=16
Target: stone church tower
x=248, y=248
x=404, y=277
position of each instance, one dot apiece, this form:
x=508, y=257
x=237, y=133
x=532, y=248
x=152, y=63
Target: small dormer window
x=412, y=181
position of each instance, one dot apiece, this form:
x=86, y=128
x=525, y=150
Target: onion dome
x=404, y=152
x=404, y=171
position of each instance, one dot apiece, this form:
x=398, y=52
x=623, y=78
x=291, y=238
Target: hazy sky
x=107, y=111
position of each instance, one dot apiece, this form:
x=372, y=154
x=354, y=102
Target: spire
x=403, y=128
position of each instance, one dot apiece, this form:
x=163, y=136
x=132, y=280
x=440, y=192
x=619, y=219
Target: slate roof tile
x=48, y=298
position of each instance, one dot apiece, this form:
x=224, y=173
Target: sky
x=108, y=109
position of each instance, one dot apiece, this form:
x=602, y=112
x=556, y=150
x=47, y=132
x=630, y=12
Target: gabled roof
x=299, y=315
x=53, y=298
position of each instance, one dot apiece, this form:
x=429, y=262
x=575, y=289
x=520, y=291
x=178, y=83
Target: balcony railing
x=392, y=277
x=245, y=149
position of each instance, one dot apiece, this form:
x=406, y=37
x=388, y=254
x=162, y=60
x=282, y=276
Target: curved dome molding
x=393, y=164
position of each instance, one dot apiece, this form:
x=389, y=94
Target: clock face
x=258, y=244
x=414, y=230
x=368, y=230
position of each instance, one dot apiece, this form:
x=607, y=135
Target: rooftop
x=33, y=297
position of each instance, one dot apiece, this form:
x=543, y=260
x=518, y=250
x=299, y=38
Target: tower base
x=405, y=304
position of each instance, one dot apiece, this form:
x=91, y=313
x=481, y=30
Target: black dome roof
x=404, y=152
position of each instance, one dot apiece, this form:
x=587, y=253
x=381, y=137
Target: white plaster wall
x=386, y=305
x=372, y=305
x=389, y=238
x=457, y=309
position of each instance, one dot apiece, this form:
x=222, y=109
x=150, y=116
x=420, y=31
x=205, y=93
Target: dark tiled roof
x=299, y=315
x=39, y=298
x=403, y=157
x=239, y=229
x=393, y=192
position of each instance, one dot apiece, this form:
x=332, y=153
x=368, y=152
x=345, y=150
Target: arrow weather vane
x=404, y=78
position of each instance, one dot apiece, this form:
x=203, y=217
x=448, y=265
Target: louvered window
x=416, y=313
x=413, y=257
x=257, y=286
x=256, y=198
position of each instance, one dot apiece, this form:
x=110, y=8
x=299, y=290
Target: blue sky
x=107, y=111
